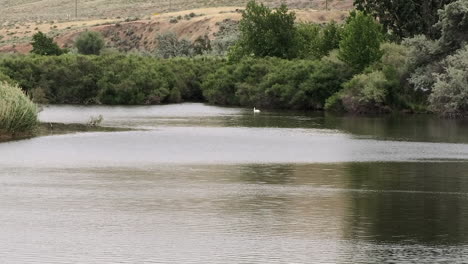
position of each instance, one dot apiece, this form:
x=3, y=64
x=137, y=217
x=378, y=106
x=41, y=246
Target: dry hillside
x=47, y=10
x=139, y=33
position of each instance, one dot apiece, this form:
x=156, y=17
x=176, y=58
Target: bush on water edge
x=135, y=80
x=18, y=114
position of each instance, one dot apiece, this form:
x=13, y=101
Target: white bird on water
x=255, y=110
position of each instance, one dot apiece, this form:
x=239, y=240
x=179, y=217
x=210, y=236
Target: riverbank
x=50, y=128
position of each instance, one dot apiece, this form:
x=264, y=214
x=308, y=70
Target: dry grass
x=141, y=34
x=48, y=10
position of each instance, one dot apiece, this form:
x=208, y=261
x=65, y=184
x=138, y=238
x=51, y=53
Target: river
x=193, y=183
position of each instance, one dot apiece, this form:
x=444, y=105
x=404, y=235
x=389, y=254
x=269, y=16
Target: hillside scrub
x=90, y=43
x=44, y=45
x=17, y=113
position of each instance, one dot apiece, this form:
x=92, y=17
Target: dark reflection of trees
x=427, y=128
x=282, y=119
x=268, y=174
x=402, y=127
x=426, y=202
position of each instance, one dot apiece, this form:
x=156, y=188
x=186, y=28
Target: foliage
x=405, y=18
x=44, y=45
x=201, y=45
x=275, y=83
x=266, y=32
x=315, y=41
x=360, y=45
x=110, y=79
x=453, y=23
x=377, y=89
x=17, y=112
x=429, y=61
x=450, y=92
x=90, y=43
x=170, y=46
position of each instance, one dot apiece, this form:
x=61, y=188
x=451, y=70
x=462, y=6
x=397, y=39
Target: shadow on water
x=423, y=202
x=424, y=128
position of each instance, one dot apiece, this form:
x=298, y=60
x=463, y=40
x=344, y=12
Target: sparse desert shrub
x=170, y=46
x=201, y=45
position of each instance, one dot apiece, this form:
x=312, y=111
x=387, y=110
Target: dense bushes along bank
x=130, y=79
x=262, y=82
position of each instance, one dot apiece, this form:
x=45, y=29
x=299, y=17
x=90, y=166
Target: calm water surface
x=203, y=184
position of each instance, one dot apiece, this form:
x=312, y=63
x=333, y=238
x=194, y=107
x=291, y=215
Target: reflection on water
x=221, y=185
x=423, y=128
x=237, y=213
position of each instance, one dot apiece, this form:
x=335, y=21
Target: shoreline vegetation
x=270, y=62
x=18, y=114
x=50, y=128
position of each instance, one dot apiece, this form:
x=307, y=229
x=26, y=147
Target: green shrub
x=315, y=41
x=379, y=88
x=450, y=93
x=275, y=83
x=334, y=103
x=44, y=45
x=266, y=32
x=360, y=45
x=17, y=113
x=90, y=43
x=170, y=46
x=110, y=79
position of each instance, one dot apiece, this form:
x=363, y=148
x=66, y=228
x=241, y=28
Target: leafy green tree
x=453, y=24
x=315, y=41
x=44, y=45
x=405, y=18
x=331, y=37
x=361, y=41
x=89, y=43
x=266, y=32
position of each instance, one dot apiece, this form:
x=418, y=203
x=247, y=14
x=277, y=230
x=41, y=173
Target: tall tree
x=44, y=45
x=361, y=39
x=266, y=32
x=405, y=18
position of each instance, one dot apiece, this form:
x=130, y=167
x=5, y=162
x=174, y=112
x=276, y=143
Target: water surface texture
x=202, y=184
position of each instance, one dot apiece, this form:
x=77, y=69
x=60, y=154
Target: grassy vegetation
x=17, y=113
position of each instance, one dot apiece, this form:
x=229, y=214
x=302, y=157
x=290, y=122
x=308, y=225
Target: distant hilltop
x=59, y=10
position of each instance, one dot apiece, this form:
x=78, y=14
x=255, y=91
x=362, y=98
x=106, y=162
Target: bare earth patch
x=140, y=34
